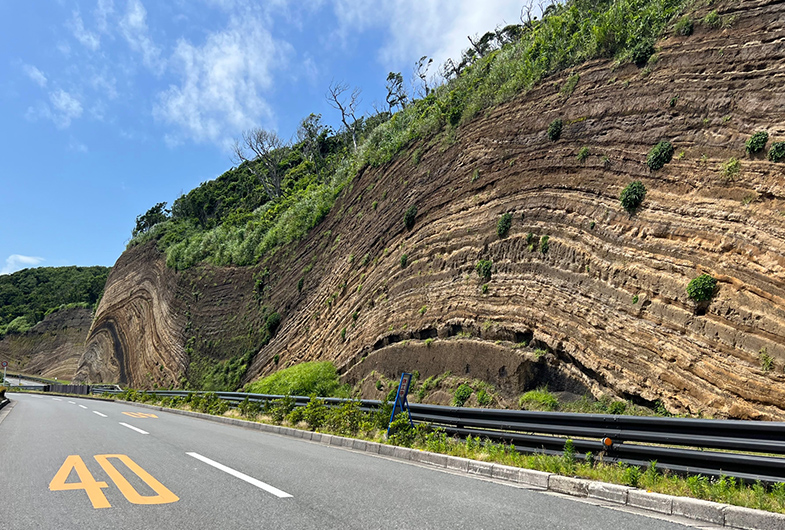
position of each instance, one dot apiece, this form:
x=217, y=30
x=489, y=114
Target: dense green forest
x=233, y=221
x=28, y=295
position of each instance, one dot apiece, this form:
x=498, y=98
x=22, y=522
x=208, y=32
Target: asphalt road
x=78, y=463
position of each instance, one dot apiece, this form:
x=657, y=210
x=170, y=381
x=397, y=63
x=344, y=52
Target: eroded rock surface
x=574, y=301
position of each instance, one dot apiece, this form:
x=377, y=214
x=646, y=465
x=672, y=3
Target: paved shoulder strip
x=242, y=476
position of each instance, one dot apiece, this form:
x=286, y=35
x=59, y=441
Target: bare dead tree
x=265, y=148
x=347, y=105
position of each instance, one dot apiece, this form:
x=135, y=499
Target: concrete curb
x=698, y=510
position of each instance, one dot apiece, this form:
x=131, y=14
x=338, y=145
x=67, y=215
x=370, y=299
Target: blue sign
x=401, y=399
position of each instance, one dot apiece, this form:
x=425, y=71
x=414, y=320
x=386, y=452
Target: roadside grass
x=349, y=420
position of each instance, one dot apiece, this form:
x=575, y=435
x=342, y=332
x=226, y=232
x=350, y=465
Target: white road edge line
x=102, y=415
x=242, y=476
x=140, y=431
x=83, y=406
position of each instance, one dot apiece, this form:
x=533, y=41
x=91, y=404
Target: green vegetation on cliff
x=30, y=294
x=232, y=221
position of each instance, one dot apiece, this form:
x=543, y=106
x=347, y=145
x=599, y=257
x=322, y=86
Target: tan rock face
x=52, y=348
x=576, y=300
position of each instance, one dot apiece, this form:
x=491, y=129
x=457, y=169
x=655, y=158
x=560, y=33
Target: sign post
x=401, y=399
x=5, y=367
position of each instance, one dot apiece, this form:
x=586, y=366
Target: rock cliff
x=602, y=310
x=52, y=348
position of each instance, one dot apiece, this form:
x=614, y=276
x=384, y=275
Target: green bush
x=617, y=407
x=583, y=154
x=684, y=26
x=544, y=246
x=409, y=216
x=279, y=409
x=731, y=168
x=540, y=399
x=554, y=129
x=702, y=288
x=404, y=261
x=315, y=413
x=461, y=394
x=300, y=283
x=483, y=398
x=660, y=154
x=305, y=379
x=504, y=224
x=632, y=196
x=757, y=142
x=250, y=409
x=485, y=269
x=641, y=52
x=272, y=323
x=777, y=152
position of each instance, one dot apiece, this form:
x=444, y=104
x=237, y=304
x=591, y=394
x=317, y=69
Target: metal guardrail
x=687, y=446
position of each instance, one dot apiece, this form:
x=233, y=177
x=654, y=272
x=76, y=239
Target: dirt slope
x=706, y=93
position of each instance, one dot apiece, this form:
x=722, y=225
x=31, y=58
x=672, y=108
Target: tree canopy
x=26, y=296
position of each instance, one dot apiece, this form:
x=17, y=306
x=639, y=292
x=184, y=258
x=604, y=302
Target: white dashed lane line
x=242, y=476
x=140, y=431
x=83, y=406
x=102, y=415
x=72, y=402
x=57, y=399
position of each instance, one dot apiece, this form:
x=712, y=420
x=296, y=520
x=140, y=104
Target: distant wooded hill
x=28, y=295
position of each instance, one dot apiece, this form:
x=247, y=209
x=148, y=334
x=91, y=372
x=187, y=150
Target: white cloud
x=133, y=27
x=437, y=28
x=87, y=38
x=35, y=74
x=16, y=262
x=222, y=82
x=103, y=11
x=76, y=146
x=66, y=107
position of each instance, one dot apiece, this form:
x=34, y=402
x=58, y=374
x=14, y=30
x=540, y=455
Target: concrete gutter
x=720, y=515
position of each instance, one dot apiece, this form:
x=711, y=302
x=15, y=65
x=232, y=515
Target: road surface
x=80, y=463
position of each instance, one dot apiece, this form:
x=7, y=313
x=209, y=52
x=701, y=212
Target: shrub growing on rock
x=409, y=216
x=632, y=196
x=660, y=154
x=757, y=142
x=485, y=269
x=554, y=129
x=583, y=154
x=701, y=289
x=777, y=152
x=641, y=52
x=462, y=393
x=684, y=26
x=503, y=226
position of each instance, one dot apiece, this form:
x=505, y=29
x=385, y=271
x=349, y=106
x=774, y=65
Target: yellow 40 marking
x=140, y=414
x=93, y=487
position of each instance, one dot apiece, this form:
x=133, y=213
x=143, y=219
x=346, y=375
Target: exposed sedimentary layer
x=706, y=94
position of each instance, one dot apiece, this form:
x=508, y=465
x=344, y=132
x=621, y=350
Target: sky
x=108, y=107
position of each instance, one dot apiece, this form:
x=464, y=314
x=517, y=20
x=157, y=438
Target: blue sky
x=110, y=106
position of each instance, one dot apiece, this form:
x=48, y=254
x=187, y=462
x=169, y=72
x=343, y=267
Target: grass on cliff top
x=305, y=379
x=229, y=222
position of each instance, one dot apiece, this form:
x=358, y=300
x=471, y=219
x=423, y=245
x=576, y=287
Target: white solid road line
x=140, y=431
x=102, y=415
x=242, y=476
x=83, y=406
